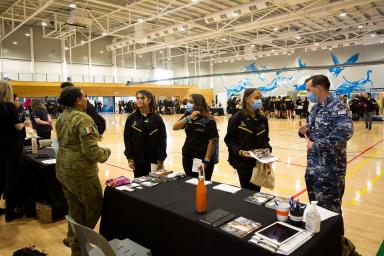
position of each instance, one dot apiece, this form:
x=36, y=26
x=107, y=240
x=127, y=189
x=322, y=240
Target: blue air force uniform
x=329, y=128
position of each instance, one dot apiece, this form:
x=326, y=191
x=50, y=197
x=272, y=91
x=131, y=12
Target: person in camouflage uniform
x=76, y=163
x=327, y=132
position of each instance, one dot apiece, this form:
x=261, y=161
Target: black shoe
x=12, y=216
x=65, y=242
x=369, y=128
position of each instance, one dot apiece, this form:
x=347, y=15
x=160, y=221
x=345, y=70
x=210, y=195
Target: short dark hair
x=66, y=84
x=369, y=94
x=69, y=95
x=321, y=80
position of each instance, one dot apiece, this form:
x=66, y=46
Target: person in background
x=369, y=107
x=91, y=111
x=76, y=162
x=247, y=130
x=202, y=136
x=145, y=136
x=11, y=152
x=22, y=117
x=41, y=120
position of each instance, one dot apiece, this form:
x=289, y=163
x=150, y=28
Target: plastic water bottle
x=313, y=219
x=34, y=146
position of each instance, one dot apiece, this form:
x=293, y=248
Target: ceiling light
x=298, y=37
x=66, y=48
x=316, y=44
x=289, y=54
x=82, y=41
x=140, y=56
x=182, y=29
x=72, y=5
x=373, y=35
x=27, y=34
x=360, y=26
x=276, y=29
x=195, y=1
x=343, y=14
x=14, y=42
x=140, y=20
x=252, y=45
x=43, y=23
x=235, y=14
x=273, y=50
x=224, y=39
x=101, y=52
x=382, y=41
x=161, y=51
x=104, y=33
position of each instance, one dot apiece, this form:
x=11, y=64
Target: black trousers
x=188, y=163
x=245, y=174
x=45, y=135
x=10, y=168
x=142, y=169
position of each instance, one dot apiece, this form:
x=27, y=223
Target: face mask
x=189, y=107
x=312, y=98
x=257, y=104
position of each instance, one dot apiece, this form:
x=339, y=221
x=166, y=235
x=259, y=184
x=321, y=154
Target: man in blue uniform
x=327, y=132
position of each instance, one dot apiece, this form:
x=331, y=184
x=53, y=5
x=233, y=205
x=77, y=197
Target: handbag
x=263, y=176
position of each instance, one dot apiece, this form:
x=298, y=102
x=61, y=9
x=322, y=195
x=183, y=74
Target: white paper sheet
x=194, y=181
x=324, y=213
x=227, y=188
x=49, y=161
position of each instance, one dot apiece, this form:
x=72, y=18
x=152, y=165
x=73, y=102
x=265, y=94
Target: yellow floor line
x=351, y=172
x=365, y=189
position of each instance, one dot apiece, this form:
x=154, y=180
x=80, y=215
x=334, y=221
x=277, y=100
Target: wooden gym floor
x=363, y=202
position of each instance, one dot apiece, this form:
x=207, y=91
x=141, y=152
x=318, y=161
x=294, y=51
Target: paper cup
x=282, y=211
x=153, y=167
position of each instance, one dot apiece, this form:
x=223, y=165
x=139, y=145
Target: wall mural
x=337, y=70
x=278, y=80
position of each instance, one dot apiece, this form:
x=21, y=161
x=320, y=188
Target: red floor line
x=354, y=158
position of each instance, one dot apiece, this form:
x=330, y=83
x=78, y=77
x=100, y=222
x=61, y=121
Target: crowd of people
x=79, y=129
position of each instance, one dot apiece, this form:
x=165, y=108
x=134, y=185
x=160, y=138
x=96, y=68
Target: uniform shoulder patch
x=89, y=130
x=342, y=112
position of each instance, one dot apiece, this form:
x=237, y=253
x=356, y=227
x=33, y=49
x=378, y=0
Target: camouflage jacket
x=330, y=126
x=78, y=152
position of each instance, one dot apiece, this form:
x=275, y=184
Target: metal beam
x=27, y=19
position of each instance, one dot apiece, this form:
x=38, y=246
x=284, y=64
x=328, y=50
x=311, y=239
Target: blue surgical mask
x=257, y=104
x=312, y=98
x=189, y=107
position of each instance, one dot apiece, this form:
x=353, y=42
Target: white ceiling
x=203, y=30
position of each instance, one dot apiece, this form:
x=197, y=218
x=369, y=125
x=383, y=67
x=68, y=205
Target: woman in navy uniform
x=247, y=130
x=202, y=136
x=145, y=136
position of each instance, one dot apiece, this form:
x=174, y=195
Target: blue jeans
x=368, y=119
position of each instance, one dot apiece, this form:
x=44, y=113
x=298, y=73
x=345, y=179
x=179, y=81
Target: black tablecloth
x=163, y=219
x=41, y=185
x=218, y=111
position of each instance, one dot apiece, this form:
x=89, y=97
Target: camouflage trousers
x=327, y=189
x=84, y=196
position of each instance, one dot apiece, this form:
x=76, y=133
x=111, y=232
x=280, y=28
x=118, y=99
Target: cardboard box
x=44, y=213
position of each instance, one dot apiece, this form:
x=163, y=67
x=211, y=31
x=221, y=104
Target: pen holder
x=295, y=219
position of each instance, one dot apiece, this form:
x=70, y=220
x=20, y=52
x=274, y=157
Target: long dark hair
x=152, y=103
x=246, y=94
x=200, y=104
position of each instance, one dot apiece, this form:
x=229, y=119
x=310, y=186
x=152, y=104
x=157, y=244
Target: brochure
x=263, y=155
x=241, y=227
x=259, y=198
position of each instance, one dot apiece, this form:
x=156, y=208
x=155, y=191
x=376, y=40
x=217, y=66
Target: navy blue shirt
x=8, y=118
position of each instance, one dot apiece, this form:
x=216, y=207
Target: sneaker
x=66, y=242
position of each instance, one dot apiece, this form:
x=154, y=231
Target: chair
x=94, y=244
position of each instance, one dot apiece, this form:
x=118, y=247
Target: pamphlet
x=194, y=181
x=196, y=164
x=263, y=155
x=259, y=198
x=240, y=227
x=217, y=217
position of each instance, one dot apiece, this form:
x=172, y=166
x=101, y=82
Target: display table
x=217, y=111
x=163, y=219
x=41, y=185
